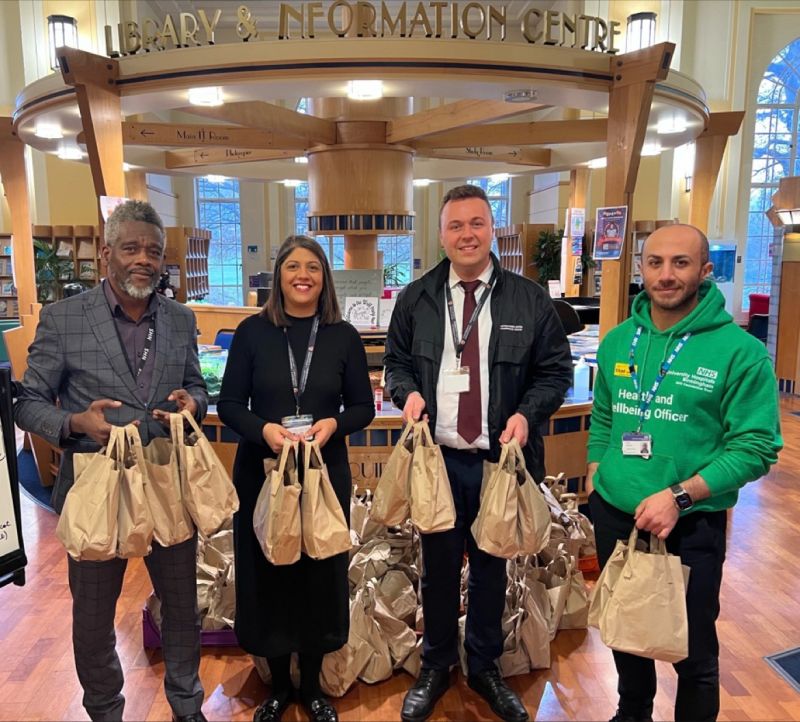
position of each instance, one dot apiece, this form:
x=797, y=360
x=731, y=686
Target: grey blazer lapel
x=102, y=324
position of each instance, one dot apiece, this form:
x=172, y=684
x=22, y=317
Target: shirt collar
x=453, y=279
x=116, y=306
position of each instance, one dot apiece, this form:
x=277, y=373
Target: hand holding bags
x=514, y=517
x=276, y=519
x=431, y=498
x=207, y=490
x=645, y=612
x=325, y=530
x=87, y=526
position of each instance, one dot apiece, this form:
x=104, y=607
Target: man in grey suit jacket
x=117, y=354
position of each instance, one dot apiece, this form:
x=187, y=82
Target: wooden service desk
x=565, y=438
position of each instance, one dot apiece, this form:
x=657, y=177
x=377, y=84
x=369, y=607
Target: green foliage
x=50, y=269
x=392, y=275
x=548, y=256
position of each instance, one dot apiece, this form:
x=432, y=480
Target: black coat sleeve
x=400, y=376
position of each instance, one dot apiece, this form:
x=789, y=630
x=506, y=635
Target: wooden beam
x=95, y=81
x=630, y=97
x=196, y=157
x=15, y=187
x=189, y=134
x=136, y=185
x=709, y=150
x=536, y=133
x=538, y=157
x=267, y=116
x=451, y=116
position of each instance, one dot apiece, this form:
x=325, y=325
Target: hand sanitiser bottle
x=580, y=380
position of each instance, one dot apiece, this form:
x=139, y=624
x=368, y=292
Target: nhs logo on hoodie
x=704, y=379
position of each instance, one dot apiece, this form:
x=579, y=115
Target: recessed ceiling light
x=422, y=182
x=597, y=163
x=667, y=126
x=498, y=177
x=523, y=95
x=301, y=159
x=70, y=152
x=211, y=178
x=51, y=131
x=653, y=148
x=365, y=89
x=206, y=96
x=291, y=182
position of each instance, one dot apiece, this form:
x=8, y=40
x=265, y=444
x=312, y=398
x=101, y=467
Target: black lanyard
x=298, y=388
x=148, y=344
x=459, y=345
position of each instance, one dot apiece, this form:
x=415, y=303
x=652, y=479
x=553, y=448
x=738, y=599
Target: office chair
x=568, y=316
x=758, y=326
x=223, y=338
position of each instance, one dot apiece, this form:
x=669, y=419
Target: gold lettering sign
x=368, y=19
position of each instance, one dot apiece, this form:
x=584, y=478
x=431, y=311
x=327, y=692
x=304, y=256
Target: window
x=218, y=211
x=774, y=157
x=498, y=191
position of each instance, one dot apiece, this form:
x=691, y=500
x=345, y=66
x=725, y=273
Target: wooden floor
x=760, y=613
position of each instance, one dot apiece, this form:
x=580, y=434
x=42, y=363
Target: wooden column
x=361, y=251
x=709, y=149
x=95, y=81
x=630, y=96
x=578, y=187
x=136, y=183
x=15, y=186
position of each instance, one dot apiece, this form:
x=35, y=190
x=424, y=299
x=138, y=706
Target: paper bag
x=431, y=498
x=135, y=522
x=390, y=505
x=494, y=528
x=207, y=489
x=276, y=519
x=88, y=523
x=325, y=530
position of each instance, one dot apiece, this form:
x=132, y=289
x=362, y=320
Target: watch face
x=684, y=501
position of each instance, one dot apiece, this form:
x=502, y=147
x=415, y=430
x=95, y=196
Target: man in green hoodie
x=685, y=414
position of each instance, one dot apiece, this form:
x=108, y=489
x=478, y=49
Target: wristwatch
x=681, y=497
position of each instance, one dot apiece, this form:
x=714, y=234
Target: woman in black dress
x=302, y=607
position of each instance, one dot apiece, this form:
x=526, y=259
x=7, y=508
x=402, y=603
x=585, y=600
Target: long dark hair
x=327, y=307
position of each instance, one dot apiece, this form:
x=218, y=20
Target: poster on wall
x=577, y=226
x=609, y=233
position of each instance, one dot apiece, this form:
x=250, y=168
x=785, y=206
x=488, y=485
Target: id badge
x=637, y=444
x=298, y=424
x=456, y=381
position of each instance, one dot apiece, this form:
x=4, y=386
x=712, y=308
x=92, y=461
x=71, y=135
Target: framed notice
x=609, y=235
x=577, y=222
x=361, y=310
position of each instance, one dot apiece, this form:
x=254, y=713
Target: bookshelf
x=9, y=305
x=517, y=246
x=186, y=259
x=77, y=258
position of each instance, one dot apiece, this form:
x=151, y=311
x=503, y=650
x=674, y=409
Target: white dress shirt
x=447, y=403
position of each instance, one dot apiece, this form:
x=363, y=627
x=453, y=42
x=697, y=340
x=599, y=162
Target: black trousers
x=443, y=559
x=699, y=539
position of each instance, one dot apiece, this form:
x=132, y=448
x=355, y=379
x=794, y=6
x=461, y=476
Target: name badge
x=298, y=424
x=456, y=381
x=637, y=444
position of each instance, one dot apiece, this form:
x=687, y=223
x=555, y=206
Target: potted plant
x=50, y=269
x=548, y=256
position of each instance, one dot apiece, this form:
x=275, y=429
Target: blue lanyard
x=646, y=399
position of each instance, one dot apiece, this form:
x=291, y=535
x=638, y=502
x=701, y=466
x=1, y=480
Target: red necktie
x=470, y=416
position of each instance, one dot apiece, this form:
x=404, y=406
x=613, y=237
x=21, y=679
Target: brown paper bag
x=172, y=523
x=494, y=528
x=646, y=612
x=207, y=489
x=135, y=522
x=390, y=506
x=605, y=583
x=431, y=498
x=88, y=523
x=325, y=530
x=533, y=513
x=276, y=519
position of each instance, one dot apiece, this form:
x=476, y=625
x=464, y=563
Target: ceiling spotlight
x=212, y=178
x=209, y=97
x=301, y=159
x=422, y=182
x=641, y=32
x=365, y=89
x=675, y=124
x=523, y=95
x=51, y=131
x=291, y=182
x=63, y=31
x=597, y=163
x=653, y=148
x=70, y=152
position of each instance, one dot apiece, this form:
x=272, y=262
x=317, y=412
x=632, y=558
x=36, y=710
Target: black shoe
x=194, y=717
x=320, y=710
x=628, y=718
x=272, y=709
x=423, y=696
x=501, y=698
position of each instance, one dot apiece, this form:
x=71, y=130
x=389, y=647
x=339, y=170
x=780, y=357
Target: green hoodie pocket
x=624, y=481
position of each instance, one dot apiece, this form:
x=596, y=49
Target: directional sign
x=167, y=134
x=516, y=156
x=212, y=156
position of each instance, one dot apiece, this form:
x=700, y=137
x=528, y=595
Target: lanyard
x=459, y=345
x=148, y=344
x=298, y=388
x=646, y=399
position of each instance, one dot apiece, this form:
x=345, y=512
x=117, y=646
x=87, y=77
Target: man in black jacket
x=480, y=351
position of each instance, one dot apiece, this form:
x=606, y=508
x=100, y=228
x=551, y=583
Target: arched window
x=775, y=156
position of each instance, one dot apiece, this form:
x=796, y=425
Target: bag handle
x=176, y=432
x=134, y=440
x=312, y=454
x=422, y=434
x=186, y=414
x=288, y=449
x=657, y=545
x=408, y=430
x=115, y=448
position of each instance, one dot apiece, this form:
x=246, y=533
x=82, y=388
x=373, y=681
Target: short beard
x=134, y=291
